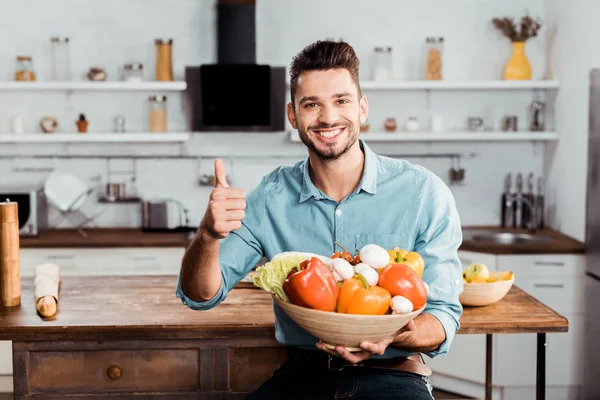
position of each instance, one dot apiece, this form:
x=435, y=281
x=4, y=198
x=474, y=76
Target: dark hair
x=323, y=55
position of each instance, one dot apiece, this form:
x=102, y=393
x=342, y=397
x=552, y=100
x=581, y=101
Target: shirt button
x=338, y=212
x=456, y=281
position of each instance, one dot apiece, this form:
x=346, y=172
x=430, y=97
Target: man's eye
x=343, y=101
x=310, y=105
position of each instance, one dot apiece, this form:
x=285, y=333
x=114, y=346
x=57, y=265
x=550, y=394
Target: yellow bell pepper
x=357, y=297
x=411, y=259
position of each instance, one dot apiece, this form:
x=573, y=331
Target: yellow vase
x=518, y=66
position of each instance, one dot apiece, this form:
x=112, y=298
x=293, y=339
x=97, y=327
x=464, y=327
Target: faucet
x=518, y=197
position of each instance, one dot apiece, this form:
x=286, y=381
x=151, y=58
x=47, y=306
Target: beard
x=330, y=151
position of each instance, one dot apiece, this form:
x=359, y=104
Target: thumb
x=220, y=174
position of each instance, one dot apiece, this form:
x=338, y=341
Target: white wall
x=113, y=32
x=574, y=55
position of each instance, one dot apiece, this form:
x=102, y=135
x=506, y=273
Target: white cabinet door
x=516, y=357
x=5, y=357
x=105, y=261
x=565, y=295
x=543, y=265
x=466, y=358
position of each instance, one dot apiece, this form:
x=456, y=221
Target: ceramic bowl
x=348, y=330
x=483, y=294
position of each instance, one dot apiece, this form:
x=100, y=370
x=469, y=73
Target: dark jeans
x=291, y=382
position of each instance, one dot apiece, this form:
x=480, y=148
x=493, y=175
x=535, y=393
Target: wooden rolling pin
x=45, y=289
x=10, y=268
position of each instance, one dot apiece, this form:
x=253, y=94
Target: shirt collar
x=368, y=182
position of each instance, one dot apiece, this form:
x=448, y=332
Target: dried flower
x=520, y=32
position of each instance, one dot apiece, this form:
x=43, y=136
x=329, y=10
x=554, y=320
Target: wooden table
x=130, y=336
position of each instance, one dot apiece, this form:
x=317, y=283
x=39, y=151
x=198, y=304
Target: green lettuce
x=270, y=276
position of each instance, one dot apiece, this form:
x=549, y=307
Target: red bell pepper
x=312, y=285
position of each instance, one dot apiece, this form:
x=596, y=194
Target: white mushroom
x=374, y=256
x=370, y=275
x=401, y=305
x=341, y=268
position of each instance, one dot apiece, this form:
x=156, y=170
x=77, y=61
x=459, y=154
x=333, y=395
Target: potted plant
x=518, y=66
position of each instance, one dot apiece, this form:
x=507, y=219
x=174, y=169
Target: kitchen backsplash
x=105, y=34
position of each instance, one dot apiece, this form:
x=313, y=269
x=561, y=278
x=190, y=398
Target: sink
x=507, y=237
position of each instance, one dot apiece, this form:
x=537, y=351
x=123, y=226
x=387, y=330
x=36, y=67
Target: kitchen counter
x=559, y=243
x=105, y=237
x=131, y=337
x=131, y=237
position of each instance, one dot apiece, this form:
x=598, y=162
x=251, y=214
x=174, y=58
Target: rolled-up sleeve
x=438, y=242
x=239, y=252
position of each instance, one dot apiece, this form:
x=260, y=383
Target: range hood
x=236, y=93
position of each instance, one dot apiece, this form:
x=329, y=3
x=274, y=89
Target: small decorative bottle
x=82, y=124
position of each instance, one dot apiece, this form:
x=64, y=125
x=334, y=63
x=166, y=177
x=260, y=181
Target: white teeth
x=330, y=134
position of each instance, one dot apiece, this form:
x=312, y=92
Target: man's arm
x=224, y=249
x=439, y=238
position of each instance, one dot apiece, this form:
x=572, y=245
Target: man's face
x=327, y=112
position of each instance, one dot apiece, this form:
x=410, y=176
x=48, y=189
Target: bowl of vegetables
x=482, y=287
x=344, y=300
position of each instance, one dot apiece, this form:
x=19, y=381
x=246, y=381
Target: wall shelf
x=451, y=136
x=142, y=137
x=460, y=85
x=91, y=86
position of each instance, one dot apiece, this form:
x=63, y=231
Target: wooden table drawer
x=131, y=370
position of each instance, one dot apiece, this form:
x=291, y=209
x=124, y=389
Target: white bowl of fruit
x=483, y=287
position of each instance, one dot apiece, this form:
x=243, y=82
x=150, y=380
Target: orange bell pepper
x=357, y=297
x=411, y=259
x=312, y=285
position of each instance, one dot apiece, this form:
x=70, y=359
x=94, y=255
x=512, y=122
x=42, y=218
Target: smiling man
x=345, y=193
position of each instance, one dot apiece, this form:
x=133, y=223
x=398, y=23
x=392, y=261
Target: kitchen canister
x=10, y=267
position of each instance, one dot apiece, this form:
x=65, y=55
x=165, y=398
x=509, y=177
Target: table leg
x=540, y=380
x=488, y=367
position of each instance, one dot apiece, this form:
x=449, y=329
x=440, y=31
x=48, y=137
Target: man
x=344, y=193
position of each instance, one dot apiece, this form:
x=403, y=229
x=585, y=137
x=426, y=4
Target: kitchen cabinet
x=557, y=280
x=105, y=261
x=466, y=358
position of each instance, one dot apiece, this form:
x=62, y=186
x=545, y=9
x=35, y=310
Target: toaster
x=32, y=208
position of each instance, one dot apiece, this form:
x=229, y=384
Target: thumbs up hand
x=226, y=207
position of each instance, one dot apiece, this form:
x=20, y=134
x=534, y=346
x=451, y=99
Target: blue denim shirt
x=395, y=204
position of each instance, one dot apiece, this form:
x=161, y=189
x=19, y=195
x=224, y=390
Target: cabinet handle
x=139, y=257
x=550, y=263
x=60, y=257
x=113, y=372
x=549, y=285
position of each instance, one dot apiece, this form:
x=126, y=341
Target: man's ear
x=364, y=109
x=291, y=114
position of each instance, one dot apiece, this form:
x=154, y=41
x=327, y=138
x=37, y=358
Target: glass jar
x=61, y=61
x=158, y=113
x=164, y=59
x=382, y=65
x=24, y=69
x=133, y=72
x=433, y=69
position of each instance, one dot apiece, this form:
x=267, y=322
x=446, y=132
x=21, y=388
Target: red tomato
x=400, y=280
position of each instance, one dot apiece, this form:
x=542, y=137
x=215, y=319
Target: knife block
x=10, y=272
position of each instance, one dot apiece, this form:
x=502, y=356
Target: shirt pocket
x=386, y=240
